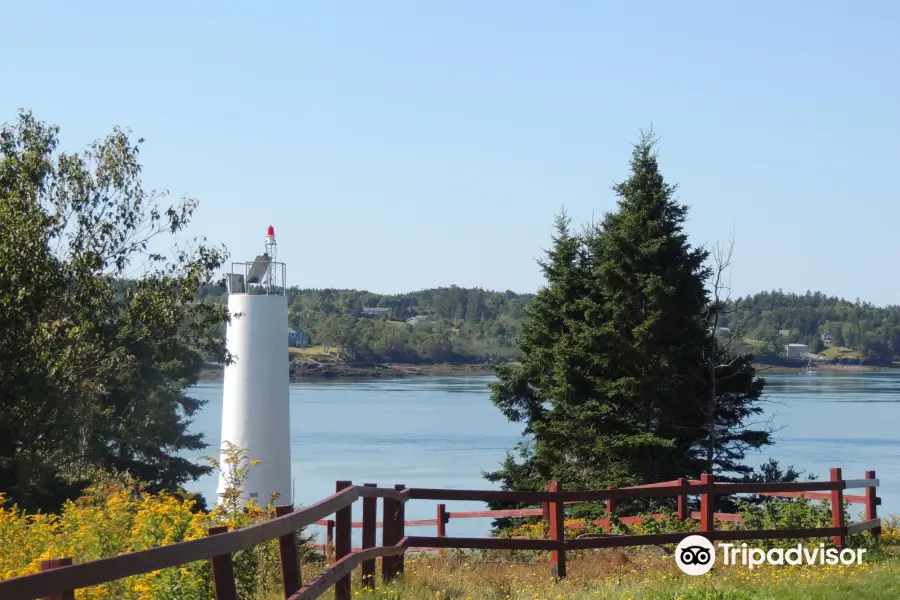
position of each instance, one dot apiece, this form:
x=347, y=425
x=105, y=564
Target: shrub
x=118, y=515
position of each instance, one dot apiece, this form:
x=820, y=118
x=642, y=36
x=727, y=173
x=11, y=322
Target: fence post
x=222, y=571
x=388, y=537
x=610, y=509
x=400, y=531
x=557, y=532
x=871, y=504
x=837, y=510
x=682, y=500
x=329, y=541
x=55, y=563
x=343, y=528
x=545, y=517
x=291, y=577
x=442, y=519
x=369, y=518
x=708, y=503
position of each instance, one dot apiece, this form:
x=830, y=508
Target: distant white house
x=827, y=338
x=375, y=312
x=796, y=351
x=420, y=319
x=297, y=339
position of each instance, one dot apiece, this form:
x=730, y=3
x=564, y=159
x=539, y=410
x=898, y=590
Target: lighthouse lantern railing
x=264, y=276
x=257, y=277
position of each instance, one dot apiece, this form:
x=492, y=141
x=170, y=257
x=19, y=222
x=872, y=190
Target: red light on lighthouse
x=270, y=230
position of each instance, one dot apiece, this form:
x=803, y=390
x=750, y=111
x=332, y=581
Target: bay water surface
x=444, y=432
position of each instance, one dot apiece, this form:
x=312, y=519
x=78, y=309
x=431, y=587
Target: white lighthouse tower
x=255, y=408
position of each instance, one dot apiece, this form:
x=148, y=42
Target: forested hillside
x=454, y=324
x=777, y=318
x=473, y=325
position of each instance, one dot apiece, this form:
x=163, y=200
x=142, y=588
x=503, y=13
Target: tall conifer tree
x=616, y=384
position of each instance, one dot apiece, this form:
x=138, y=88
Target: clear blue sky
x=403, y=145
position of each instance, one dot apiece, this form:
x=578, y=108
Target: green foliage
x=620, y=381
x=451, y=325
x=669, y=523
x=874, y=331
x=93, y=370
x=780, y=513
x=257, y=569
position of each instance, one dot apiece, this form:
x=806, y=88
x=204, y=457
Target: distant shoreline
x=763, y=370
x=379, y=371
x=213, y=372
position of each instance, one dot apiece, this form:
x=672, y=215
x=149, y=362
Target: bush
x=769, y=513
x=111, y=518
x=118, y=515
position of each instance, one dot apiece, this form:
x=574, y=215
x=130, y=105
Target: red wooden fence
x=59, y=578
x=443, y=516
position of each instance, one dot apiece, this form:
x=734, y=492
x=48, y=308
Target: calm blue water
x=444, y=431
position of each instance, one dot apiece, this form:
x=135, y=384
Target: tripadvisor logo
x=696, y=555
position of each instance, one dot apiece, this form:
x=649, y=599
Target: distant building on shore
x=376, y=313
x=796, y=351
x=416, y=320
x=297, y=339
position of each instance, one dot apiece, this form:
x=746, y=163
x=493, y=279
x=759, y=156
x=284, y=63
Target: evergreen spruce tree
x=548, y=366
x=621, y=382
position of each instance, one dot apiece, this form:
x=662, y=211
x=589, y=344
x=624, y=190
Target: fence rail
x=59, y=577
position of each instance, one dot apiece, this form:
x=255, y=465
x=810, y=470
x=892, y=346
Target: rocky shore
x=334, y=370
x=823, y=367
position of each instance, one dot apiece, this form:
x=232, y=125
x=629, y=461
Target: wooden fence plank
x=666, y=491
x=868, y=525
x=867, y=483
x=610, y=511
x=329, y=540
x=343, y=530
x=222, y=570
x=708, y=504
x=493, y=514
x=557, y=533
x=389, y=537
x=872, y=505
x=442, y=517
x=369, y=515
x=343, y=568
x=766, y=488
x=682, y=505
x=480, y=543
x=377, y=492
x=400, y=531
x=837, y=509
x=478, y=495
x=291, y=577
x=56, y=563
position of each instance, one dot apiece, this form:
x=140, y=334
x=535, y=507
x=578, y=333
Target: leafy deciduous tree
x=93, y=362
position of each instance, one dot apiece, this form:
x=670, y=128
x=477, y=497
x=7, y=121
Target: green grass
x=619, y=575
x=840, y=352
x=309, y=353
